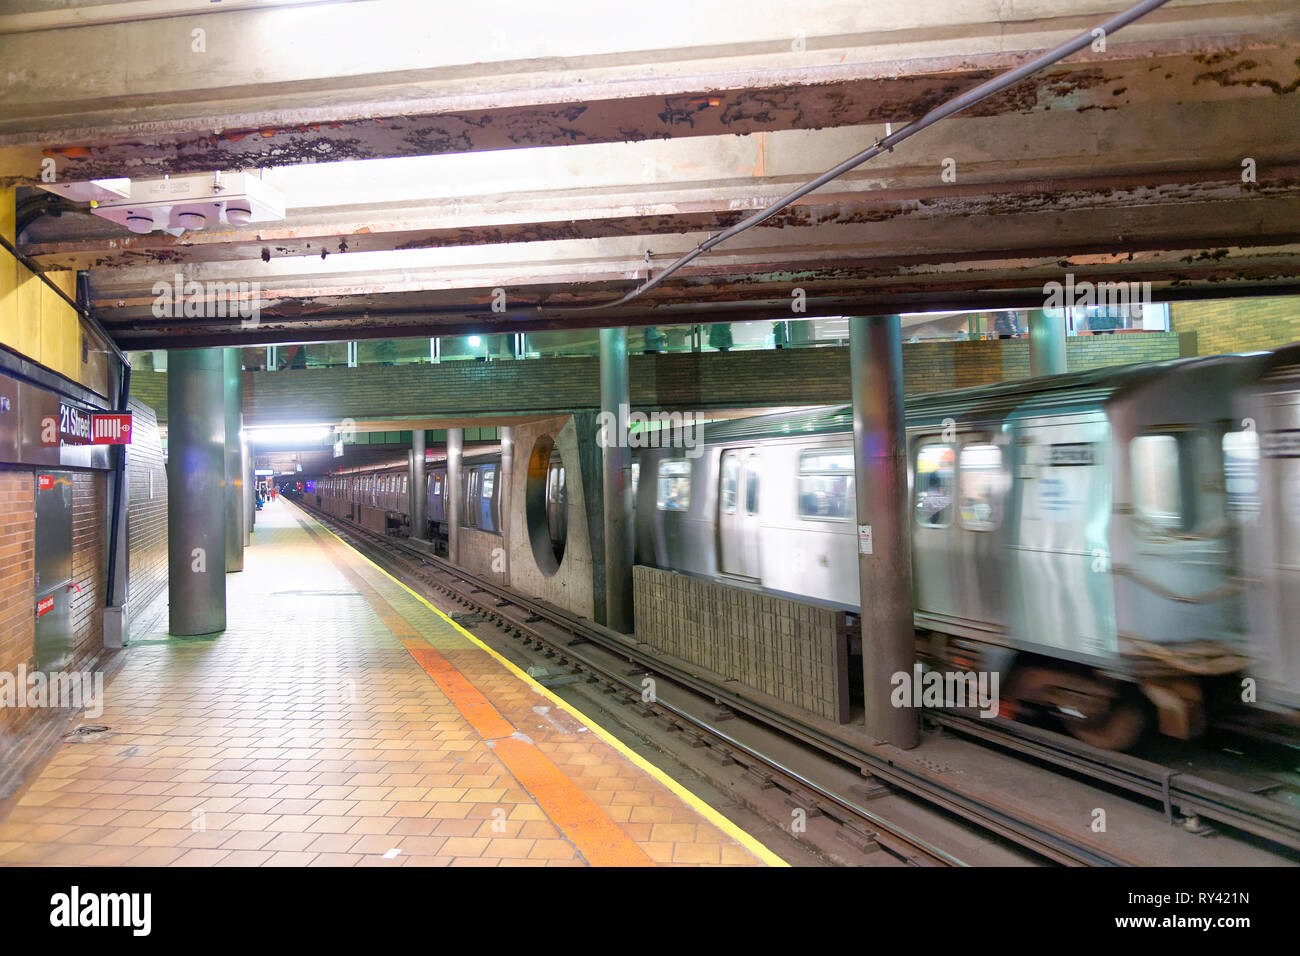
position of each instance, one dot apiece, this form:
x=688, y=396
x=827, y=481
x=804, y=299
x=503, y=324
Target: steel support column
x=616, y=469
x=233, y=401
x=505, y=483
x=884, y=543
x=1046, y=344
x=196, y=502
x=455, y=451
x=419, y=502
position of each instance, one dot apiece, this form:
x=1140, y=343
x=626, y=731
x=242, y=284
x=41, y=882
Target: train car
x=378, y=498
x=1264, y=495
x=1070, y=533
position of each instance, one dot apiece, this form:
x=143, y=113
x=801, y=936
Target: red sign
x=45, y=482
x=110, y=429
x=44, y=604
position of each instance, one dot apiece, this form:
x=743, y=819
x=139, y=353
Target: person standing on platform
x=720, y=336
x=654, y=340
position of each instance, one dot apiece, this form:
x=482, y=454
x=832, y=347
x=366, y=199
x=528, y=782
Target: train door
x=1177, y=585
x=1061, y=591
x=738, y=498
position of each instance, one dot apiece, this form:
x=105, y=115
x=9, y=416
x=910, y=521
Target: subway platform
x=341, y=720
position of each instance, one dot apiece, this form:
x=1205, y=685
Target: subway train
x=377, y=498
x=1112, y=543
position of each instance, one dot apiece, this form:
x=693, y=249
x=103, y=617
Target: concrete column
x=504, y=484
x=1046, y=344
x=884, y=542
x=233, y=401
x=196, y=501
x=419, y=510
x=455, y=450
x=616, y=470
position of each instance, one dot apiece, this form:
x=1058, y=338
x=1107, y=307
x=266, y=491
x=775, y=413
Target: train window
x=934, y=485
x=487, y=503
x=982, y=487
x=1157, y=481
x=826, y=485
x=751, y=486
x=1241, y=474
x=730, y=479
x=674, y=485
x=636, y=479
x=470, y=513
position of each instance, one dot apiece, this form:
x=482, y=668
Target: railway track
x=702, y=710
x=1196, y=798
x=694, y=717
x=577, y=642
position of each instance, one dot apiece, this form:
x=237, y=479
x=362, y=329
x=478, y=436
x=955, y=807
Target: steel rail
x=1059, y=846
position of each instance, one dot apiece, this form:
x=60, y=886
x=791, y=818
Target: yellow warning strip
x=699, y=806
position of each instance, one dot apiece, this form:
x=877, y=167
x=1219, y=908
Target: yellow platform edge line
x=710, y=813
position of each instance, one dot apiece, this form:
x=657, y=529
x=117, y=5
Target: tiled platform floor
x=341, y=721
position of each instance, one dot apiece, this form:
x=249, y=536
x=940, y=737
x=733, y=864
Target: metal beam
x=616, y=470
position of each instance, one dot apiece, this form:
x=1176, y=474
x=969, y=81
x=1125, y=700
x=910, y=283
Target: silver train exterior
x=1073, y=533
x=1269, y=506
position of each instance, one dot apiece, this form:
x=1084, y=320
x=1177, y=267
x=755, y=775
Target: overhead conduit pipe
x=953, y=106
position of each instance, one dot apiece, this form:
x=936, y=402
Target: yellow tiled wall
x=1238, y=325
x=36, y=323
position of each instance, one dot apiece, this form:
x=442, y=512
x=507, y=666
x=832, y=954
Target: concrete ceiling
x=428, y=161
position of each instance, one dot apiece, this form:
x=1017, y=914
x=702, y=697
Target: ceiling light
x=139, y=222
x=177, y=203
x=192, y=220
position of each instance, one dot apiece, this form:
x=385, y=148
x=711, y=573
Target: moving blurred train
x=1122, y=546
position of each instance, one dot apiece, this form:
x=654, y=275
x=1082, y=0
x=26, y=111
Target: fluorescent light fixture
x=474, y=341
x=281, y=434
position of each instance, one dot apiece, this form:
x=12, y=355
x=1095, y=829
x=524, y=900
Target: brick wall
x=1238, y=325
x=24, y=730
x=17, y=588
x=150, y=388
x=791, y=650
x=146, y=524
x=679, y=380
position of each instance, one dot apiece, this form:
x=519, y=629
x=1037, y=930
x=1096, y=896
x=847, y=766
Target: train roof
x=1283, y=366
x=1089, y=388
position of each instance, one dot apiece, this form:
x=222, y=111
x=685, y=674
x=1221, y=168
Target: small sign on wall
x=864, y=539
x=111, y=429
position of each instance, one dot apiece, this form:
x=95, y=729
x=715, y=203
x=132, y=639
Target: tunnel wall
x=146, y=522
x=681, y=380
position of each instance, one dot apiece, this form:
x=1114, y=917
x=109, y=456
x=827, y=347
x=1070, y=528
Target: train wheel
x=1118, y=723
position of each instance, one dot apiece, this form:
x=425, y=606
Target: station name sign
x=77, y=426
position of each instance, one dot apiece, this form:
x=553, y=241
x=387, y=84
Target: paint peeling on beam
x=702, y=112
